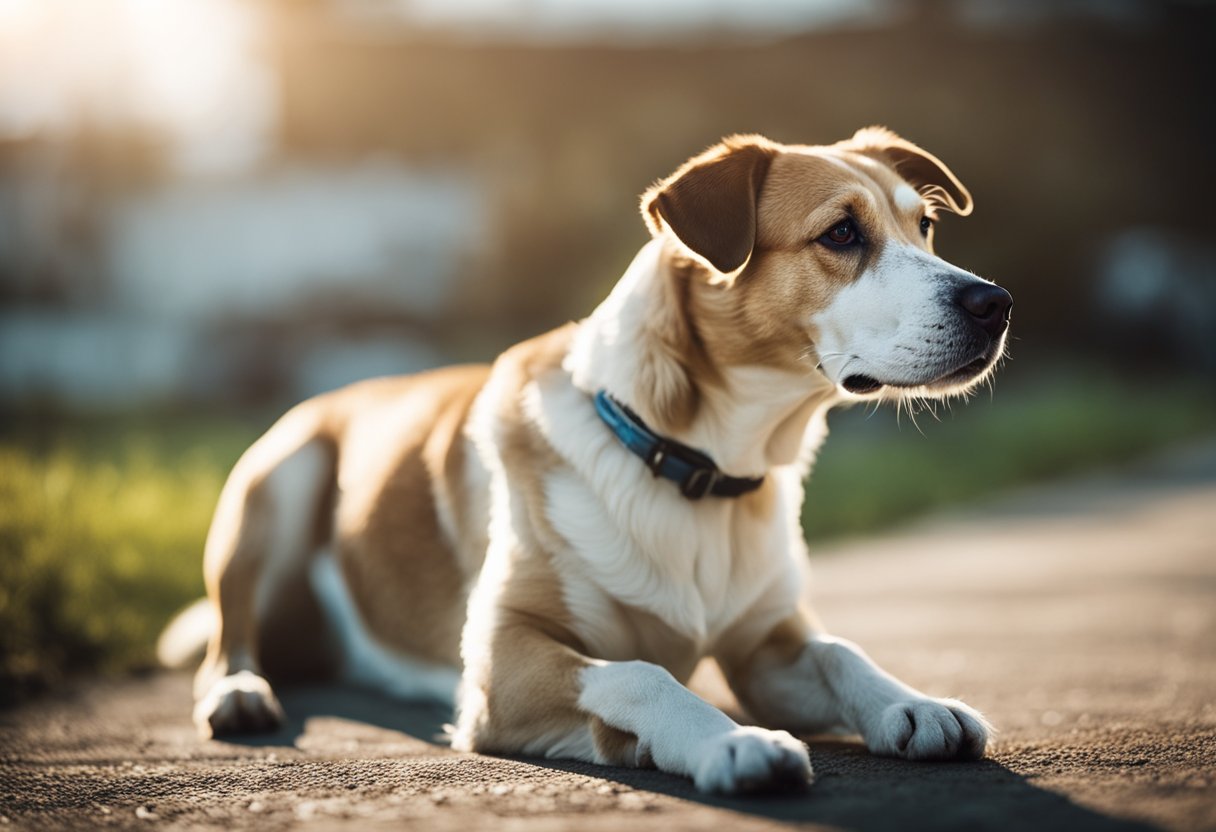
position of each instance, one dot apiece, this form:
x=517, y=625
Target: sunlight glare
x=188, y=70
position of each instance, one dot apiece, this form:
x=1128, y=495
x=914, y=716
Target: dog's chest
x=650, y=570
x=631, y=542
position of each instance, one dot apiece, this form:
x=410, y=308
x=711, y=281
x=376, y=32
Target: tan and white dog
x=485, y=526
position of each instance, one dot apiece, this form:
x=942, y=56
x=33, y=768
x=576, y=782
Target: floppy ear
x=710, y=202
x=928, y=173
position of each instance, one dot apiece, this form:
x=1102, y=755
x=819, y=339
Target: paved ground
x=1081, y=620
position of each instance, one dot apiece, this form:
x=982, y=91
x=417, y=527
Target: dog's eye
x=925, y=224
x=842, y=235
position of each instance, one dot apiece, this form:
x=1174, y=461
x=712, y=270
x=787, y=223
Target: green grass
x=101, y=530
x=102, y=521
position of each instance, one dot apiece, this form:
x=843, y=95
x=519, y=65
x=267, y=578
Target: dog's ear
x=926, y=172
x=710, y=202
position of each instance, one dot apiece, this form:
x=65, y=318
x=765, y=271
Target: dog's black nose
x=988, y=304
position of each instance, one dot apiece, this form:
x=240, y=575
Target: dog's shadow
x=852, y=789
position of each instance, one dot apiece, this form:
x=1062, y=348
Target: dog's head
x=824, y=256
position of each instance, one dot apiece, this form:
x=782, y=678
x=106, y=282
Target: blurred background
x=210, y=209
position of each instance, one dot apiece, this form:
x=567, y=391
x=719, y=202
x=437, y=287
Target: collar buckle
x=658, y=454
x=699, y=483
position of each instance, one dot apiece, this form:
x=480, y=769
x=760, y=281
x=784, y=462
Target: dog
x=552, y=543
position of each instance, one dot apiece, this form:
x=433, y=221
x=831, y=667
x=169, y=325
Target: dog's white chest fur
x=634, y=541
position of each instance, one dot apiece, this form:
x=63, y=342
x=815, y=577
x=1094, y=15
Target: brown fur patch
x=531, y=683
x=920, y=167
x=675, y=366
x=526, y=455
x=402, y=569
x=531, y=680
x=710, y=201
x=615, y=747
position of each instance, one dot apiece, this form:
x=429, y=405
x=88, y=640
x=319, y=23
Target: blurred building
x=260, y=199
x=168, y=248
x=275, y=283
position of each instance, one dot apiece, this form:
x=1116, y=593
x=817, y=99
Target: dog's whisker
x=913, y=402
x=930, y=406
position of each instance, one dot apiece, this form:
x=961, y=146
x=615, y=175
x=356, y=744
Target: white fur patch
x=698, y=566
x=240, y=702
x=757, y=419
x=684, y=734
x=833, y=685
x=184, y=640
x=929, y=729
x=893, y=718
x=293, y=488
x=907, y=199
x=896, y=323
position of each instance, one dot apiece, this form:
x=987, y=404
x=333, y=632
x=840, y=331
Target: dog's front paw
x=930, y=729
x=242, y=703
x=751, y=760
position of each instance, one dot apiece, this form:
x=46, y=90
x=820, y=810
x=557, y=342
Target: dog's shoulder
x=536, y=356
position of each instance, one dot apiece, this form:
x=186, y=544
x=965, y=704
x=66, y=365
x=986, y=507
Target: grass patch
x=101, y=531
x=102, y=521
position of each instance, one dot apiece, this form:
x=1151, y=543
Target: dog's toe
x=242, y=703
x=930, y=729
x=751, y=760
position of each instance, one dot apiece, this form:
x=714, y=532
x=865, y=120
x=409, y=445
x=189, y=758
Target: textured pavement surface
x=1080, y=619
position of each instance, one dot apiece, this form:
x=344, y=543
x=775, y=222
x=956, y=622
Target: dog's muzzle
x=983, y=310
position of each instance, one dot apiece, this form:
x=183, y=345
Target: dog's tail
x=184, y=640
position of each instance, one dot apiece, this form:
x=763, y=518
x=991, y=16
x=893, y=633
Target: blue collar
x=693, y=471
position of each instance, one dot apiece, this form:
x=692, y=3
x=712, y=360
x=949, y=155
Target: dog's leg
x=531, y=694
x=264, y=531
x=681, y=733
x=806, y=682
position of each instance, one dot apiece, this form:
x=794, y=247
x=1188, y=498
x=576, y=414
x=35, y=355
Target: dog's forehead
x=802, y=180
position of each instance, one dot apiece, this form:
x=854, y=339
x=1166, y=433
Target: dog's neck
x=647, y=345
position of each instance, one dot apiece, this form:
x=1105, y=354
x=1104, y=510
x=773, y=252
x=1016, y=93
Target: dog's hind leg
x=266, y=528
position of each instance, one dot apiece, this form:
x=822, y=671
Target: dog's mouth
x=964, y=373
x=860, y=384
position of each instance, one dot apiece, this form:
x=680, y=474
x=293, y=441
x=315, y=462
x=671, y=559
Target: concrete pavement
x=1081, y=619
